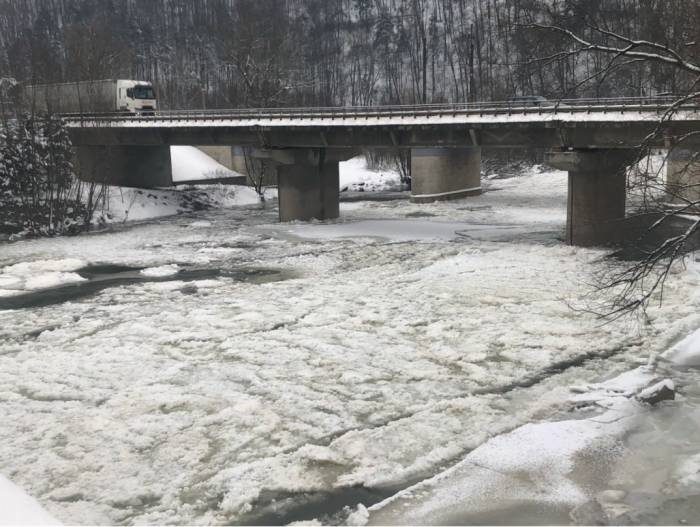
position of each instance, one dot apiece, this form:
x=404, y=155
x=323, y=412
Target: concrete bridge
x=594, y=140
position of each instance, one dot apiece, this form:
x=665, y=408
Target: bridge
x=593, y=139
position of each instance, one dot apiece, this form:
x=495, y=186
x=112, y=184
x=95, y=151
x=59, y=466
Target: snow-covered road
x=307, y=360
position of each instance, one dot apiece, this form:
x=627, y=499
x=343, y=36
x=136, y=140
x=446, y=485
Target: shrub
x=39, y=193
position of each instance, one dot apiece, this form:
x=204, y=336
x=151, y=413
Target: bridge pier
x=445, y=173
x=126, y=166
x=683, y=176
x=308, y=182
x=597, y=193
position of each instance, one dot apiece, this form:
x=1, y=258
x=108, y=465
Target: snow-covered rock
x=664, y=390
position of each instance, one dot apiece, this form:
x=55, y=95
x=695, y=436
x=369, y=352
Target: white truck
x=99, y=96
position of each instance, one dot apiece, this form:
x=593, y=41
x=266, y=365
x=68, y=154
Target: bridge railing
x=403, y=110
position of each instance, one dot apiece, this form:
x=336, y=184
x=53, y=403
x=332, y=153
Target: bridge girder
x=550, y=134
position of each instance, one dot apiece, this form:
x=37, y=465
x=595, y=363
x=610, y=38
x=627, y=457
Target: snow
x=688, y=475
x=161, y=271
x=535, y=463
x=531, y=464
x=28, y=269
x=355, y=176
x=625, y=384
x=668, y=384
x=191, y=164
x=394, y=230
x=375, y=356
x=131, y=204
x=18, y=508
x=360, y=516
x=41, y=274
x=687, y=351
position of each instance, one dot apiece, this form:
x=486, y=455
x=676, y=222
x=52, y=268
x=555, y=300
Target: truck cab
x=137, y=97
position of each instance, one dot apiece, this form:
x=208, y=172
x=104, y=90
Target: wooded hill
x=236, y=53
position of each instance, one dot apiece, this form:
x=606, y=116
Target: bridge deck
x=623, y=122
x=570, y=109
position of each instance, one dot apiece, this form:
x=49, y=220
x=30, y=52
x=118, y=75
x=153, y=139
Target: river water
x=223, y=368
x=657, y=482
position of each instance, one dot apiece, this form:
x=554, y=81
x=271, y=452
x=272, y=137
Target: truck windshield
x=143, y=92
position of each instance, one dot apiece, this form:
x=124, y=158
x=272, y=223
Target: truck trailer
x=99, y=96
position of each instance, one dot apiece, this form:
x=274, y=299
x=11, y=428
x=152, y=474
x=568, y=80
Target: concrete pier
x=308, y=182
x=445, y=173
x=126, y=166
x=597, y=193
x=683, y=177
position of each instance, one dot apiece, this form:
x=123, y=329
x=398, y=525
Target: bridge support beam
x=220, y=154
x=308, y=183
x=445, y=173
x=238, y=160
x=597, y=193
x=126, y=166
x=683, y=176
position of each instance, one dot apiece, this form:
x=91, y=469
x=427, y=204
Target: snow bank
x=188, y=164
x=130, y=204
x=687, y=351
x=19, y=508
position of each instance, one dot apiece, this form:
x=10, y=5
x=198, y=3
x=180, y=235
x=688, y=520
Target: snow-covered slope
x=191, y=164
x=188, y=164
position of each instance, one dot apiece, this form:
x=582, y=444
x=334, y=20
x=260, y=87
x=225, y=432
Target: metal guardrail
x=658, y=104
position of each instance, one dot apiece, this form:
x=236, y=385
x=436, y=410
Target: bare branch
x=673, y=59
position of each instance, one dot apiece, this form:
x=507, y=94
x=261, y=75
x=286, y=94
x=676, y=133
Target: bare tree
x=257, y=171
x=671, y=207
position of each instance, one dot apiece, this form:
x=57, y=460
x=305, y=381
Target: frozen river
x=220, y=367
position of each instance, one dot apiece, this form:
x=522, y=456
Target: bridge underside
x=547, y=134
x=308, y=182
x=445, y=159
x=126, y=166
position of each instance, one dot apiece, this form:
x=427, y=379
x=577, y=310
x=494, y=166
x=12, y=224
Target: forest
x=265, y=53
